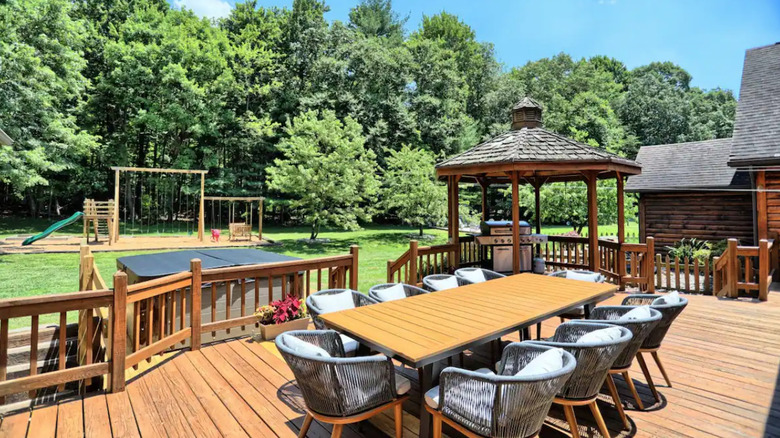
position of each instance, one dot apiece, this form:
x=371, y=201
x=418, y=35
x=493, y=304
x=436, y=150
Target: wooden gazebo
x=530, y=154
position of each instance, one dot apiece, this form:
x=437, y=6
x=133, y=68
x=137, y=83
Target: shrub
x=691, y=249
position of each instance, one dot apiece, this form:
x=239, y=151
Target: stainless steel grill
x=498, y=236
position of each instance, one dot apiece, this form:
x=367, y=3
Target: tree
x=375, y=18
x=410, y=188
x=327, y=171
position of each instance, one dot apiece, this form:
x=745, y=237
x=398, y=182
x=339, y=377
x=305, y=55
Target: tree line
x=267, y=99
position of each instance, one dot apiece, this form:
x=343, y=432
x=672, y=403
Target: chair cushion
x=447, y=283
x=302, y=347
x=350, y=345
x=432, y=395
x=670, y=298
x=591, y=277
x=605, y=334
x=547, y=362
x=334, y=302
x=473, y=275
x=641, y=312
x=402, y=384
x=392, y=293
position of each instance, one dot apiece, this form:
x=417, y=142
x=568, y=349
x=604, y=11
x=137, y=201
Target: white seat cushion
x=447, y=283
x=392, y=293
x=402, y=384
x=591, y=277
x=302, y=347
x=547, y=362
x=641, y=312
x=432, y=395
x=334, y=302
x=605, y=334
x=473, y=275
x=350, y=345
x=670, y=298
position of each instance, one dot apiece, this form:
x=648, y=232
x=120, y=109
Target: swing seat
x=240, y=230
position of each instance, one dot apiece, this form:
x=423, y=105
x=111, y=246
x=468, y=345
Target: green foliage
x=410, y=189
x=327, y=170
x=375, y=18
x=691, y=249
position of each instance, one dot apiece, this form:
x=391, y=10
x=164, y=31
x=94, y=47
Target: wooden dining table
x=421, y=330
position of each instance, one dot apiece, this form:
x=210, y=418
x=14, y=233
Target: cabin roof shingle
x=686, y=166
x=530, y=145
x=756, y=139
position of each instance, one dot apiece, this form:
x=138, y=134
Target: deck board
x=722, y=355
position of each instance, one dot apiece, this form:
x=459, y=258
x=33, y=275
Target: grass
x=24, y=275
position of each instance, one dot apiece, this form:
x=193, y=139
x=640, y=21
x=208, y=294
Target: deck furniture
x=640, y=329
x=429, y=282
x=240, y=231
x=408, y=290
x=339, y=390
x=315, y=310
x=651, y=344
x=594, y=360
x=481, y=403
x=573, y=274
x=487, y=273
x=417, y=332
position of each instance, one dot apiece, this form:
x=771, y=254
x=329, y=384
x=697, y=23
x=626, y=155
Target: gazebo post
x=538, y=205
x=593, y=222
x=453, y=219
x=514, y=176
x=621, y=230
x=484, y=185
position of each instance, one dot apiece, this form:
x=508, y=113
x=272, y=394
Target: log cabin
x=721, y=188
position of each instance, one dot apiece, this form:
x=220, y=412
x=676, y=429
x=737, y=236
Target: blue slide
x=56, y=226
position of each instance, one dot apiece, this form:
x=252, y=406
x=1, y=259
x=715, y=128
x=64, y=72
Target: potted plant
x=281, y=316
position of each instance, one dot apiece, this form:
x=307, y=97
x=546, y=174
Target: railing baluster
x=677, y=273
x=136, y=327
x=270, y=281
x=33, y=350
x=63, y=347
x=3, y=353
x=687, y=274
x=228, y=301
x=696, y=274
x=213, y=305
x=706, y=275
x=243, y=300
x=90, y=339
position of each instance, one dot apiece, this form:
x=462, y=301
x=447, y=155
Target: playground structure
x=99, y=217
x=239, y=230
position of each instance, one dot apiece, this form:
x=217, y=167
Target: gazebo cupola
x=526, y=114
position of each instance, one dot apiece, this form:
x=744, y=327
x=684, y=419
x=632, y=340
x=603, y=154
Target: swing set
x=240, y=224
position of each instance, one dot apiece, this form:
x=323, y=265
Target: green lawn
x=38, y=274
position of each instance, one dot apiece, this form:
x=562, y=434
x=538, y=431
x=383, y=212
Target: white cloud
x=205, y=8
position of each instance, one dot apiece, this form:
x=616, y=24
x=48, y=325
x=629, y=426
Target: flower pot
x=271, y=331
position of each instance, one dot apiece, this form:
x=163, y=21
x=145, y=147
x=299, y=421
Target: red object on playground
x=214, y=235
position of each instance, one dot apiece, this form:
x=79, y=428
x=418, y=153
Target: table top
x=423, y=329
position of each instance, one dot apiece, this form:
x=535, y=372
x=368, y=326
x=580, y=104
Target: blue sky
x=706, y=37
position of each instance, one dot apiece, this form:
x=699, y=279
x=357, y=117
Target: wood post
x=413, y=262
x=202, y=211
x=116, y=206
x=118, y=332
x=650, y=264
x=515, y=223
x=353, y=271
x=195, y=293
x=483, y=184
x=456, y=223
x=761, y=206
x=763, y=269
x=593, y=223
x=621, y=232
x=260, y=220
x=732, y=269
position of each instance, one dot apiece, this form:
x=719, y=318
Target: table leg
x=425, y=375
x=587, y=308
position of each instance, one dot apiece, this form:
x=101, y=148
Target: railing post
x=353, y=271
x=413, y=262
x=763, y=269
x=389, y=273
x=621, y=266
x=118, y=333
x=733, y=268
x=650, y=260
x=195, y=310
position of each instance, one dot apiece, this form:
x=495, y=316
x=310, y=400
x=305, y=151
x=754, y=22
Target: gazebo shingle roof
x=686, y=166
x=531, y=145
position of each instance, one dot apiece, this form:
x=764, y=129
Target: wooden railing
x=154, y=317
x=611, y=265
x=565, y=252
x=471, y=252
x=420, y=261
x=736, y=274
x=683, y=274
x=639, y=259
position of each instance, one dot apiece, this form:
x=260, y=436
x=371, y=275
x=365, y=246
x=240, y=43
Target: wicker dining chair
x=409, y=290
x=429, y=286
x=594, y=360
x=359, y=299
x=481, y=403
x=489, y=275
x=342, y=390
x=640, y=329
x=579, y=312
x=651, y=344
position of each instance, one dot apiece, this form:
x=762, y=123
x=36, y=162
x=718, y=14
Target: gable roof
x=756, y=139
x=531, y=145
x=686, y=166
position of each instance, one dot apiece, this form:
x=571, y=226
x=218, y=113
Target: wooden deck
x=722, y=356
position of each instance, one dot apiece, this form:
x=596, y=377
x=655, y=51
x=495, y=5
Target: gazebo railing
x=565, y=252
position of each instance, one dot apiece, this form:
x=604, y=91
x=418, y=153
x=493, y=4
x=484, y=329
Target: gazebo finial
x=526, y=114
